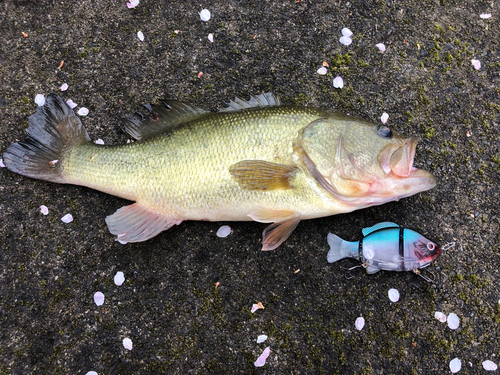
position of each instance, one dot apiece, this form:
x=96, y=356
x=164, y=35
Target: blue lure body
x=386, y=246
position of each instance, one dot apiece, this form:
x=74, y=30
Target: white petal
x=261, y=338
x=205, y=15
x=98, y=298
x=384, y=118
x=99, y=141
x=440, y=316
x=393, y=295
x=2, y=165
x=360, y=323
x=67, y=218
x=224, y=231
x=83, y=111
x=140, y=35
x=453, y=321
x=71, y=104
x=91, y=373
x=485, y=15
x=346, y=32
x=338, y=82
x=132, y=3
x=455, y=365
x=127, y=343
x=119, y=278
x=211, y=38
x=345, y=40
x=476, y=64
x=39, y=99
x=261, y=361
x=380, y=46
x=44, y=210
x=255, y=307
x=322, y=71
x=489, y=365
x=64, y=87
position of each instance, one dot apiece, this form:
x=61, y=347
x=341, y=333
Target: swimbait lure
x=386, y=246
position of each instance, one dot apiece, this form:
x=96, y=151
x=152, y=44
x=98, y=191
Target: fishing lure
x=386, y=246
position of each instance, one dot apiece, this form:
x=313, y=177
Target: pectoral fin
x=136, y=223
x=372, y=269
x=262, y=175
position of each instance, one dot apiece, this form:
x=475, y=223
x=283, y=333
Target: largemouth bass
x=255, y=160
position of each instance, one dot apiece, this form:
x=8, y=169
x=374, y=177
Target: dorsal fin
x=267, y=99
x=160, y=118
x=385, y=224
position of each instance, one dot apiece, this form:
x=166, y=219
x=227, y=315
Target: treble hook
x=428, y=279
x=347, y=270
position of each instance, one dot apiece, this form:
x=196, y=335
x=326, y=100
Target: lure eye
x=430, y=246
x=384, y=131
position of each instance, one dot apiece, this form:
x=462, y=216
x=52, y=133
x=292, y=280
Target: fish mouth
x=401, y=160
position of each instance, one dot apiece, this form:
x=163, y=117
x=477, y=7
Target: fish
x=386, y=246
x=255, y=160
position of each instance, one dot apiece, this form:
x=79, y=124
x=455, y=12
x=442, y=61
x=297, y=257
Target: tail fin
x=340, y=249
x=52, y=131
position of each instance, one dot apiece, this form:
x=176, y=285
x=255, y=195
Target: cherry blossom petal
x=345, y=40
x=83, y=111
x=346, y=32
x=360, y=323
x=455, y=365
x=476, y=64
x=64, y=87
x=39, y=99
x=2, y=165
x=384, y=118
x=200, y=74
x=380, y=46
x=261, y=338
x=393, y=295
x=44, y=210
x=453, y=321
x=338, y=82
x=71, y=104
x=119, y=278
x=325, y=64
x=98, y=298
x=91, y=373
x=224, y=231
x=440, y=316
x=489, y=365
x=322, y=71
x=140, y=35
x=485, y=15
x=132, y=4
x=67, y=218
x=257, y=306
x=205, y=15
x=127, y=343
x=99, y=141
x=261, y=361
x=211, y=38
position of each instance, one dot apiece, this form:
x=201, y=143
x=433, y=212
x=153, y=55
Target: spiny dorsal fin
x=385, y=224
x=267, y=99
x=262, y=175
x=160, y=118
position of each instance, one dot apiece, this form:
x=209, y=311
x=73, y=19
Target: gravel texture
x=169, y=306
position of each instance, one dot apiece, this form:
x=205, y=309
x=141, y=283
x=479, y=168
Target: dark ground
x=178, y=322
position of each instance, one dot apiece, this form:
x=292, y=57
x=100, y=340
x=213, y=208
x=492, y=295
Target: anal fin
x=262, y=175
x=136, y=223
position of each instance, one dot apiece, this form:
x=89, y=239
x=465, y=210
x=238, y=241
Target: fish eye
x=384, y=131
x=430, y=246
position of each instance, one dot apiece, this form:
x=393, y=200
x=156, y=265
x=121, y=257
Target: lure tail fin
x=340, y=249
x=53, y=130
